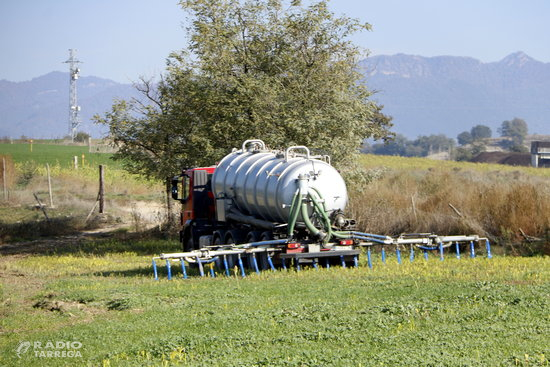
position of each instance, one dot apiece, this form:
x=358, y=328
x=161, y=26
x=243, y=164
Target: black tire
x=216, y=241
x=266, y=236
x=187, y=242
x=253, y=236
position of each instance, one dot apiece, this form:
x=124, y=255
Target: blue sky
x=123, y=39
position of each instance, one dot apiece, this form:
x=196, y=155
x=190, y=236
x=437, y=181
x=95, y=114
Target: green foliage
x=479, y=132
x=518, y=148
x=516, y=129
x=467, y=153
x=421, y=147
x=81, y=137
x=357, y=177
x=464, y=138
x=397, y=145
x=27, y=171
x=476, y=134
x=253, y=69
x=463, y=154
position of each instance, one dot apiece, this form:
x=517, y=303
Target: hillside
x=39, y=108
x=425, y=95
x=446, y=94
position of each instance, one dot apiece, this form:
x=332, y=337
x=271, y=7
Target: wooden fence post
x=49, y=184
x=4, y=179
x=101, y=190
x=41, y=206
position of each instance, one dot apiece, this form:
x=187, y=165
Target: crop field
x=54, y=155
x=101, y=295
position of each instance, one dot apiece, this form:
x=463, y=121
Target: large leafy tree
x=266, y=69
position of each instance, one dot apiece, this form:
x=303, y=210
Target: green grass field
x=55, y=155
x=469, y=312
x=101, y=292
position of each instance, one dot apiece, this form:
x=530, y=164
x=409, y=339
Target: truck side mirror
x=175, y=192
x=182, y=196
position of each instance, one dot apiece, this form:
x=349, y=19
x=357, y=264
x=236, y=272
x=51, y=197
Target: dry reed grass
x=495, y=204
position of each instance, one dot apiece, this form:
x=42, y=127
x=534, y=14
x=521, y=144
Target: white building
x=540, y=154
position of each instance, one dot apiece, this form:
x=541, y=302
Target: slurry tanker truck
x=266, y=208
x=290, y=202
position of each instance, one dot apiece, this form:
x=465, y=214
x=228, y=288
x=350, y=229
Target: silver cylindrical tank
x=262, y=183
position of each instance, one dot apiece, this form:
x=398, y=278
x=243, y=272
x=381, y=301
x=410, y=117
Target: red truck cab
x=198, y=202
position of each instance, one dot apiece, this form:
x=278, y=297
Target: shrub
x=27, y=171
x=81, y=137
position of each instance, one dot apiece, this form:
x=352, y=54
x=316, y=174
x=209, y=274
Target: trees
x=464, y=138
x=398, y=145
x=253, y=69
x=516, y=129
x=467, y=153
x=420, y=147
x=479, y=132
x=81, y=137
x=434, y=143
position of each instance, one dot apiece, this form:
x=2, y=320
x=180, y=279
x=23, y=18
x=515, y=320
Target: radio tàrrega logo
x=50, y=349
x=22, y=348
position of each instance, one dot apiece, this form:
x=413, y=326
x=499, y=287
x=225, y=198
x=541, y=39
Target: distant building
x=540, y=154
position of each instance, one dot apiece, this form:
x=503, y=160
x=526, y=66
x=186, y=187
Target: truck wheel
x=189, y=245
x=217, y=242
x=266, y=236
x=187, y=242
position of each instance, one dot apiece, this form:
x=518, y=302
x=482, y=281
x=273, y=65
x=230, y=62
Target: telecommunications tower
x=74, y=108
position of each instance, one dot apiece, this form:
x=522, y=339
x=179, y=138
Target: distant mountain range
x=447, y=94
x=425, y=95
x=39, y=108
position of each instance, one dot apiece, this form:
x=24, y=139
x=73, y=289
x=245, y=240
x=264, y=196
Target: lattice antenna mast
x=74, y=108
